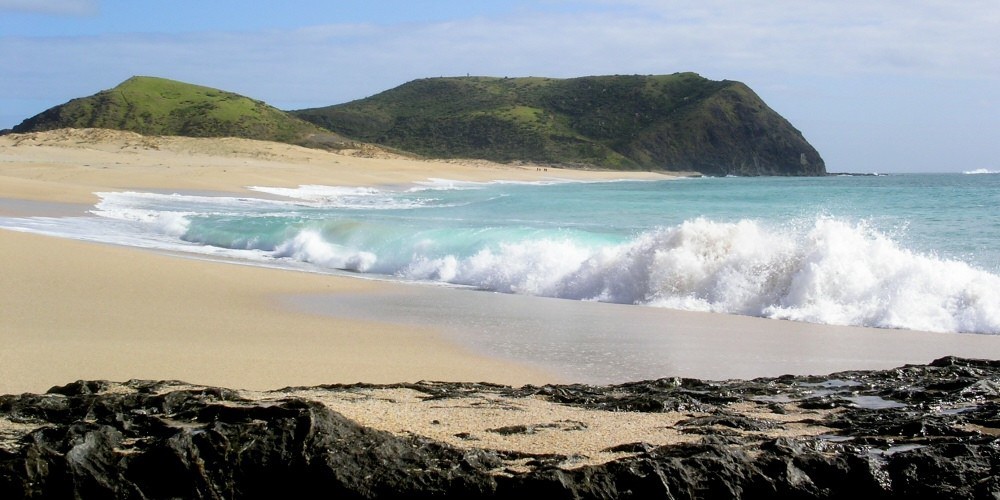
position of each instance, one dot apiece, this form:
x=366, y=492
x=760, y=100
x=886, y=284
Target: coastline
x=87, y=311
x=75, y=310
x=604, y=343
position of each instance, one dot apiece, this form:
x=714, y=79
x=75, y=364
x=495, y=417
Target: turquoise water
x=900, y=251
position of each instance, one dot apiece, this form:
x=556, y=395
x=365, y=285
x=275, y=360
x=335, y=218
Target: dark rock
x=292, y=449
x=731, y=421
x=935, y=438
x=513, y=429
x=631, y=448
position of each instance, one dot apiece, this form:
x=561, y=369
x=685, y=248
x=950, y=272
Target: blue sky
x=876, y=86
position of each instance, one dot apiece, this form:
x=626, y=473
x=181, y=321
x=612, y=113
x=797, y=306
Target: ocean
x=906, y=251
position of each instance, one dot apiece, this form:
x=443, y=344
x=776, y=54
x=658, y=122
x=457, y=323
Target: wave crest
x=823, y=270
x=831, y=272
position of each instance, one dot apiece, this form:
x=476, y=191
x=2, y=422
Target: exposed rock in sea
x=921, y=431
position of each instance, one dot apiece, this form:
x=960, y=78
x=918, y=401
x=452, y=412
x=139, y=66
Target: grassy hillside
x=677, y=122
x=157, y=106
x=671, y=122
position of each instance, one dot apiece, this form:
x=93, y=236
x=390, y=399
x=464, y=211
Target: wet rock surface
x=912, y=432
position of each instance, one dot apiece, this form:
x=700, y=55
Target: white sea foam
x=833, y=272
x=823, y=270
x=309, y=246
x=117, y=206
x=166, y=223
x=345, y=197
x=439, y=184
x=313, y=192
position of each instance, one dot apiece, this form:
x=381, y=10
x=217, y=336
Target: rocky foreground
x=911, y=432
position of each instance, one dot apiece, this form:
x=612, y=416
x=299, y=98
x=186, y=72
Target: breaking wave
x=828, y=271
x=822, y=269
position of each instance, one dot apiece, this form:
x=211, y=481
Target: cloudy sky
x=874, y=85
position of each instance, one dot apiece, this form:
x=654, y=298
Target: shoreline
x=606, y=343
x=76, y=310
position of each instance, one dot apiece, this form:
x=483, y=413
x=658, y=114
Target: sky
x=874, y=85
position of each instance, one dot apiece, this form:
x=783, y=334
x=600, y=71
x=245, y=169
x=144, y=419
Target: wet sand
x=601, y=343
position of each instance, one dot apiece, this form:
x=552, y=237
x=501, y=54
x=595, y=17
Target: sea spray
x=166, y=222
x=310, y=246
x=834, y=273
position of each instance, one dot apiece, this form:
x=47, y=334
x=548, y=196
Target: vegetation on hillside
x=158, y=106
x=671, y=122
x=680, y=122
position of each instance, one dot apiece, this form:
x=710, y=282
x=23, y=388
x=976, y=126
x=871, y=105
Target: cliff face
x=732, y=132
x=679, y=122
x=927, y=431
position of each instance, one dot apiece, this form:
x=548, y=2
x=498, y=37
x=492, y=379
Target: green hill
x=680, y=122
x=157, y=106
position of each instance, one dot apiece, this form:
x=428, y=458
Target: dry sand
x=68, y=166
x=75, y=310
x=532, y=424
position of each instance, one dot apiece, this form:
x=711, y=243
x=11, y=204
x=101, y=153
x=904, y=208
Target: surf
x=825, y=270
x=674, y=245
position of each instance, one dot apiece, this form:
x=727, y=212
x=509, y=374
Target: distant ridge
x=158, y=106
x=680, y=122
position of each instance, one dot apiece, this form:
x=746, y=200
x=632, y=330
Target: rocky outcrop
x=928, y=431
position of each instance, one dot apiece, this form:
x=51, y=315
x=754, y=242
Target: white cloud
x=822, y=64
x=52, y=7
x=925, y=37
x=722, y=39
x=325, y=64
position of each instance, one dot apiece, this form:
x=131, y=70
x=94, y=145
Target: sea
x=899, y=251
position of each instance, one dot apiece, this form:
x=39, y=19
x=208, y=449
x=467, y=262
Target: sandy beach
x=73, y=310
x=279, y=344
